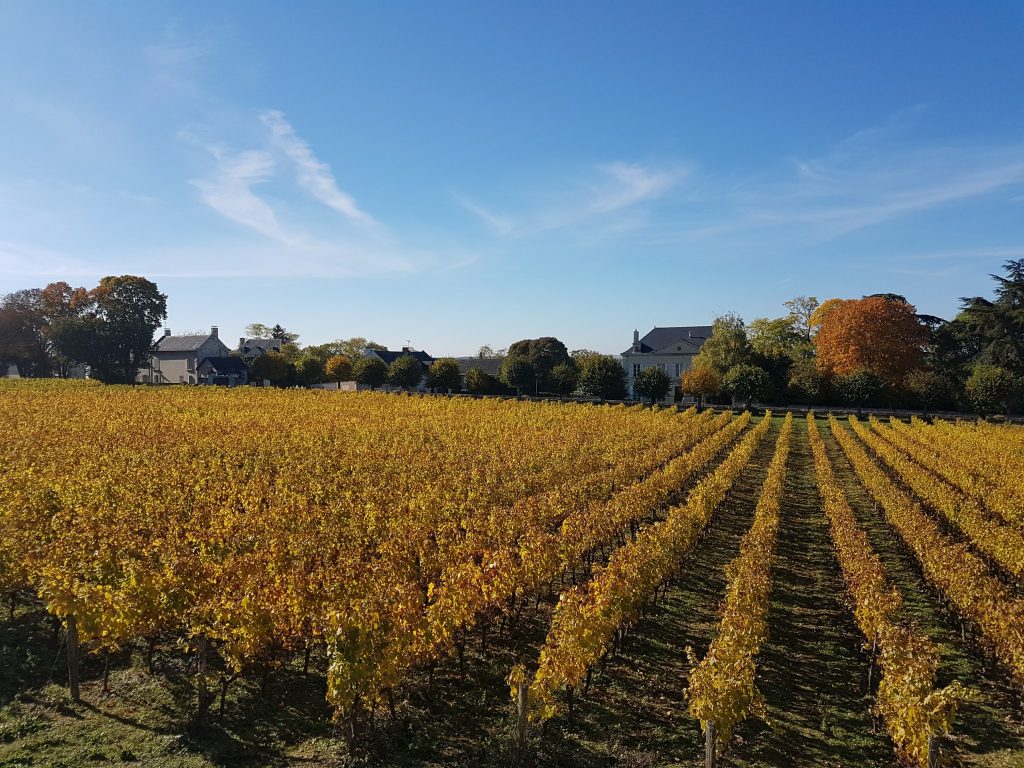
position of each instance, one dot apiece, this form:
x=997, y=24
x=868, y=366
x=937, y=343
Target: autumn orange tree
x=878, y=334
x=701, y=382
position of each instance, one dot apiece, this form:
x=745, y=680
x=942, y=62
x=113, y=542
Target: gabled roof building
x=389, y=356
x=670, y=348
x=250, y=349
x=223, y=371
x=177, y=359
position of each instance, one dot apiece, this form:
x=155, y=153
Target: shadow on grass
x=812, y=669
x=32, y=652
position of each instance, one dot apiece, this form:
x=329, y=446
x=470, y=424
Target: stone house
x=223, y=371
x=250, y=349
x=389, y=356
x=176, y=359
x=671, y=349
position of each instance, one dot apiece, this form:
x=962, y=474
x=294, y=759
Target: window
x=636, y=369
x=677, y=370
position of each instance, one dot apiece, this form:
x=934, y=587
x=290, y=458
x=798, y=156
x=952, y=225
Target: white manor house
x=671, y=349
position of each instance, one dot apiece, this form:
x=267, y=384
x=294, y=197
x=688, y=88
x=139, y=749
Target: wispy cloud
x=503, y=225
x=861, y=184
x=629, y=184
x=175, y=63
x=981, y=252
x=229, y=192
x=314, y=176
x=295, y=244
x=17, y=259
x=608, y=189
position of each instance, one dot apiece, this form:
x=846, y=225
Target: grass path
x=812, y=670
x=987, y=732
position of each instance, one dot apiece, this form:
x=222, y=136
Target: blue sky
x=472, y=173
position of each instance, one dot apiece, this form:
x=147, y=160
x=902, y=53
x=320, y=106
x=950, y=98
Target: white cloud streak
x=229, y=192
x=631, y=184
x=612, y=188
x=314, y=176
x=862, y=184
x=502, y=225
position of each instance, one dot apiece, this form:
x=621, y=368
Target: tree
x=444, y=375
x=801, y=310
x=517, y=372
x=700, y=382
x=487, y=352
x=602, y=376
x=292, y=352
x=353, y=348
x=479, y=382
x=999, y=324
x=930, y=389
x=953, y=346
x=405, y=371
x=115, y=330
x=820, y=313
x=991, y=389
x=63, y=306
x=277, y=331
x=309, y=370
x=579, y=355
x=652, y=383
x=544, y=354
x=338, y=368
x=746, y=382
x=370, y=370
x=564, y=378
x=806, y=384
x=875, y=334
x=859, y=388
x=23, y=339
x=272, y=367
x=726, y=347
x=778, y=339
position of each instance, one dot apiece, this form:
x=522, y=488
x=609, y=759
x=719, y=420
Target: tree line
x=49, y=331
x=873, y=351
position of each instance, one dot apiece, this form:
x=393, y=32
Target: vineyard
x=199, y=577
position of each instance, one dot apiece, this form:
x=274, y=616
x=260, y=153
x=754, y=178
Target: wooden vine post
x=522, y=716
x=204, y=691
x=73, y=658
x=933, y=751
x=710, y=746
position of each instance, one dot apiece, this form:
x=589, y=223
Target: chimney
x=636, y=340
x=241, y=343
x=407, y=349
x=167, y=331
x=213, y=331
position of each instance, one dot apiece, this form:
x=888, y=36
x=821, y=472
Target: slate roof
x=180, y=343
x=254, y=347
x=490, y=365
x=225, y=366
x=389, y=356
x=659, y=338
